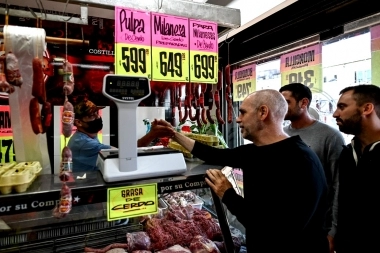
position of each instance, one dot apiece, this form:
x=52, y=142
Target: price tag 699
x=133, y=60
x=203, y=67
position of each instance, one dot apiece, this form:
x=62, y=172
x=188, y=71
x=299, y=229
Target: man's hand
x=161, y=128
x=218, y=182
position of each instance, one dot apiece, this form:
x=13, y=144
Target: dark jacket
x=359, y=193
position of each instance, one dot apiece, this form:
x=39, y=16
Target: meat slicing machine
x=128, y=162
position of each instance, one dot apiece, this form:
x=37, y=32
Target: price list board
x=170, y=48
x=133, y=42
x=303, y=66
x=203, y=51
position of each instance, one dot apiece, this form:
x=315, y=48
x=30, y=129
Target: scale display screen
x=126, y=88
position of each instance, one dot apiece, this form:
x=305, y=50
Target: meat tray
x=19, y=177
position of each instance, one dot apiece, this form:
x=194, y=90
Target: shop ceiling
x=301, y=19
x=226, y=18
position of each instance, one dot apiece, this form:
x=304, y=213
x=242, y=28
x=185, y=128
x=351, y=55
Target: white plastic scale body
x=126, y=163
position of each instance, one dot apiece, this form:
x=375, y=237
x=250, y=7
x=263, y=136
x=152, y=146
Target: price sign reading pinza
x=131, y=201
x=243, y=82
x=170, y=48
x=132, y=42
x=203, y=52
x=303, y=66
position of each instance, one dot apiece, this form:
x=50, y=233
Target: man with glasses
x=84, y=143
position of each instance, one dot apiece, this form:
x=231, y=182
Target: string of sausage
x=210, y=103
x=217, y=99
x=227, y=77
x=202, y=103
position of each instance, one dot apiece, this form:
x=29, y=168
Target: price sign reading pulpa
x=6, y=136
x=131, y=201
x=243, y=82
x=303, y=66
x=132, y=42
x=203, y=52
x=170, y=48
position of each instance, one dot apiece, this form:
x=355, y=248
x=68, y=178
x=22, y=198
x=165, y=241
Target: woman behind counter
x=84, y=143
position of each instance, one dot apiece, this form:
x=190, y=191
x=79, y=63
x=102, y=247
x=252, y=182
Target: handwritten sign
x=131, y=201
x=243, y=82
x=203, y=51
x=170, y=48
x=375, y=54
x=132, y=42
x=7, y=153
x=303, y=66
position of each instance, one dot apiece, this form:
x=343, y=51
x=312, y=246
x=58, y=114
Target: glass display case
x=27, y=223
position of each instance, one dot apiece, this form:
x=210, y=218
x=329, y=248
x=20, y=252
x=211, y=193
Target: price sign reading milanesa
x=303, y=66
x=170, y=48
x=132, y=42
x=203, y=52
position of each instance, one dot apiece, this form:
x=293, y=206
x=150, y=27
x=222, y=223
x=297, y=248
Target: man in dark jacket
x=358, y=113
x=284, y=202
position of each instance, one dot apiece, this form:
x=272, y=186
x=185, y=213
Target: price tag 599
x=132, y=60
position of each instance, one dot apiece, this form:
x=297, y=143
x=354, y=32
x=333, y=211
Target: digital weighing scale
x=128, y=162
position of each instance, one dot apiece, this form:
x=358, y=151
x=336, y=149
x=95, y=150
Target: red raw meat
x=138, y=241
x=201, y=244
x=175, y=249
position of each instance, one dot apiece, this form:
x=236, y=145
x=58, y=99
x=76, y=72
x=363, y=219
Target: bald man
x=284, y=202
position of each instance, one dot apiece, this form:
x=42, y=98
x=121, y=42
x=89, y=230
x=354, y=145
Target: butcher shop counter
x=26, y=218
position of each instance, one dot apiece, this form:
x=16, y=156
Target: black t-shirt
x=284, y=202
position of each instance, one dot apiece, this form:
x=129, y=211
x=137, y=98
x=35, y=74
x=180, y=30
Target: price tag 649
x=133, y=60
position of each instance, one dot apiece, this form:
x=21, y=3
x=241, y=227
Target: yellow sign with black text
x=243, y=82
x=303, y=66
x=6, y=136
x=203, y=67
x=133, y=60
x=131, y=201
x=170, y=65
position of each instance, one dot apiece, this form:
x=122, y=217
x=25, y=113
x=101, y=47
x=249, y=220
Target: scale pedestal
x=126, y=163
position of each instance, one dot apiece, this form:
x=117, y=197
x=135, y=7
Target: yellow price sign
x=170, y=64
x=303, y=66
x=203, y=67
x=131, y=201
x=310, y=76
x=243, y=82
x=6, y=136
x=133, y=60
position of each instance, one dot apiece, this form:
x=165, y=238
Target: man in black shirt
x=285, y=188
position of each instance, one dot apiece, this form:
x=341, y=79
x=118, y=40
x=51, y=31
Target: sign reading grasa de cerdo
x=131, y=201
x=203, y=51
x=170, y=48
x=243, y=82
x=132, y=42
x=303, y=66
